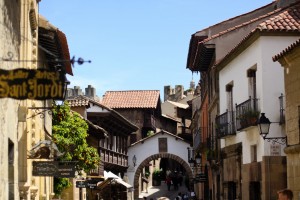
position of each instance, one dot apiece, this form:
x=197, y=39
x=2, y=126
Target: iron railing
x=247, y=114
x=225, y=125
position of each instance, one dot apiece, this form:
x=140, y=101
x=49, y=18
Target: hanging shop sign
x=81, y=184
x=201, y=177
x=53, y=168
x=38, y=84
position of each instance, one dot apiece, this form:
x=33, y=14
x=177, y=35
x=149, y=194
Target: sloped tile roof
x=78, y=102
x=287, y=50
x=287, y=21
x=85, y=101
x=131, y=99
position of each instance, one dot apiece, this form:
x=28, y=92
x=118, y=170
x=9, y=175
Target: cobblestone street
x=161, y=192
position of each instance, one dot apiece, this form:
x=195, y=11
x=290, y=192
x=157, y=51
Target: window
x=230, y=112
x=229, y=96
x=251, y=74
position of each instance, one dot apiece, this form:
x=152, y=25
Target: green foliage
x=147, y=174
x=60, y=184
x=149, y=133
x=157, y=174
x=249, y=114
x=69, y=131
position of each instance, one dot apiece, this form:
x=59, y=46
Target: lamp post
x=264, y=127
x=200, y=176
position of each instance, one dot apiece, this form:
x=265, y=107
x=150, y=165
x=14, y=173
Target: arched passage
x=144, y=163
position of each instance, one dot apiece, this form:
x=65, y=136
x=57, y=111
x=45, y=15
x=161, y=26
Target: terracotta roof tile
x=240, y=25
x=78, y=101
x=287, y=50
x=288, y=20
x=131, y=99
x=85, y=101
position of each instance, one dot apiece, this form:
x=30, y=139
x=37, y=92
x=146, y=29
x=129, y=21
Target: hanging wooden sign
x=53, y=168
x=38, y=84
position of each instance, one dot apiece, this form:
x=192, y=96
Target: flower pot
x=156, y=182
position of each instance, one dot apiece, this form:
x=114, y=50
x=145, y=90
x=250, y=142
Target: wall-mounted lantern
x=134, y=160
x=264, y=127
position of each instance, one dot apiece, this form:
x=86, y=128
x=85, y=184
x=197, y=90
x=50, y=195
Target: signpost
x=80, y=184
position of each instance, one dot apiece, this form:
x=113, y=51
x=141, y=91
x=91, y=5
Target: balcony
x=149, y=122
x=199, y=138
x=225, y=125
x=247, y=114
x=112, y=157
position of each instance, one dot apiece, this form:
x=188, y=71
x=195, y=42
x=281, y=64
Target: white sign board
x=275, y=149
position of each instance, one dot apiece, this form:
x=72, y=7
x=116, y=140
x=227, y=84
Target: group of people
x=174, y=178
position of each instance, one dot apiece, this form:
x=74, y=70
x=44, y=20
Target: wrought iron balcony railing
x=225, y=125
x=199, y=137
x=247, y=114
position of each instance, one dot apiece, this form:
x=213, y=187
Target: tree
x=69, y=132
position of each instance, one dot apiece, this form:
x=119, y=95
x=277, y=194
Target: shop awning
x=109, y=177
x=120, y=181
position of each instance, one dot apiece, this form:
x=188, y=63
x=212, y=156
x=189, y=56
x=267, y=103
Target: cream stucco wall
x=290, y=62
x=18, y=125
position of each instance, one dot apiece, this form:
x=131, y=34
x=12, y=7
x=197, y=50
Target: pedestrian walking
x=180, y=178
x=168, y=182
x=175, y=181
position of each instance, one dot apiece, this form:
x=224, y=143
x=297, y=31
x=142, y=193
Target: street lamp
x=264, y=127
x=198, y=159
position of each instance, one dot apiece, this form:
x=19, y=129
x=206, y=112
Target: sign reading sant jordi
x=39, y=84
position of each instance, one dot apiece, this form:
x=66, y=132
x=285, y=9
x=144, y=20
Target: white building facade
x=248, y=78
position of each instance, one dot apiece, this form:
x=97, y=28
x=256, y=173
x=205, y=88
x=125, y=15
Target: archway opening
x=176, y=164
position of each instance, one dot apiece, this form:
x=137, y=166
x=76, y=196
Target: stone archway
x=154, y=157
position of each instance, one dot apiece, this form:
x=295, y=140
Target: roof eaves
x=286, y=50
x=160, y=132
x=114, y=113
x=236, y=17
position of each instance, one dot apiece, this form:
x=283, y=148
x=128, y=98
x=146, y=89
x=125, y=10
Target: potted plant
x=249, y=117
x=156, y=177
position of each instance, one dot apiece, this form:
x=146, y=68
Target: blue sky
x=136, y=44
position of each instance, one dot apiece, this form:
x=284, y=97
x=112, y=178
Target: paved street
x=161, y=192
